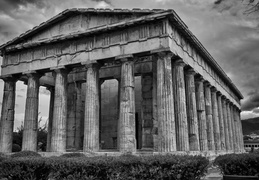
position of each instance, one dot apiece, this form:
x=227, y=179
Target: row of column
x=191, y=114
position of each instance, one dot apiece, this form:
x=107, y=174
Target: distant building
x=249, y=144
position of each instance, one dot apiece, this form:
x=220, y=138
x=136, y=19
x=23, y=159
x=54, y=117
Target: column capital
x=33, y=74
x=199, y=78
x=190, y=72
x=163, y=53
x=60, y=69
x=91, y=64
x=179, y=62
x=9, y=78
x=213, y=89
x=219, y=94
x=207, y=83
x=124, y=58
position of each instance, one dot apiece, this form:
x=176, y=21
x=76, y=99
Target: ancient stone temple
x=120, y=80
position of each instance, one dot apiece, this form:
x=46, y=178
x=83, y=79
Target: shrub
x=25, y=154
x=102, y=167
x=73, y=155
x=238, y=164
x=3, y=156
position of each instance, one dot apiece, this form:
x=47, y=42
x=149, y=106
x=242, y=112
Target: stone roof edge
x=204, y=51
x=180, y=24
x=64, y=13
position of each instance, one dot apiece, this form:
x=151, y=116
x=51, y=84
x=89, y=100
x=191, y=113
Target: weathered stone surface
x=201, y=114
x=241, y=132
x=127, y=107
x=230, y=128
x=226, y=125
x=92, y=109
x=221, y=123
x=146, y=111
x=192, y=119
x=7, y=115
x=182, y=139
x=154, y=105
x=215, y=119
x=165, y=103
x=237, y=129
x=29, y=141
x=233, y=122
x=50, y=122
x=208, y=108
x=59, y=126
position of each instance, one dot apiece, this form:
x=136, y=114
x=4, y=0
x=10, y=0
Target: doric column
x=7, y=115
x=92, y=108
x=221, y=122
x=192, y=111
x=182, y=140
x=165, y=103
x=59, y=126
x=118, y=113
x=50, y=123
x=201, y=114
x=154, y=104
x=241, y=131
x=226, y=125
x=146, y=110
x=215, y=119
x=230, y=128
x=208, y=107
x=127, y=106
x=233, y=122
x=237, y=131
x=29, y=140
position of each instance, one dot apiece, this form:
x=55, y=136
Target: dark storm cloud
x=256, y=111
x=251, y=103
x=106, y=1
x=8, y=5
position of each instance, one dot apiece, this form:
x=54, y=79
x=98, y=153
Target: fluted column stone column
x=182, y=139
x=154, y=104
x=215, y=119
x=127, y=106
x=230, y=128
x=7, y=115
x=226, y=125
x=201, y=114
x=59, y=126
x=92, y=109
x=30, y=131
x=208, y=107
x=192, y=111
x=234, y=128
x=165, y=103
x=237, y=129
x=50, y=122
x=221, y=123
x=241, y=131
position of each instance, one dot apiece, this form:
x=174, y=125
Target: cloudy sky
x=225, y=27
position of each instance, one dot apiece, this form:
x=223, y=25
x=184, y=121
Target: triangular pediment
x=76, y=20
